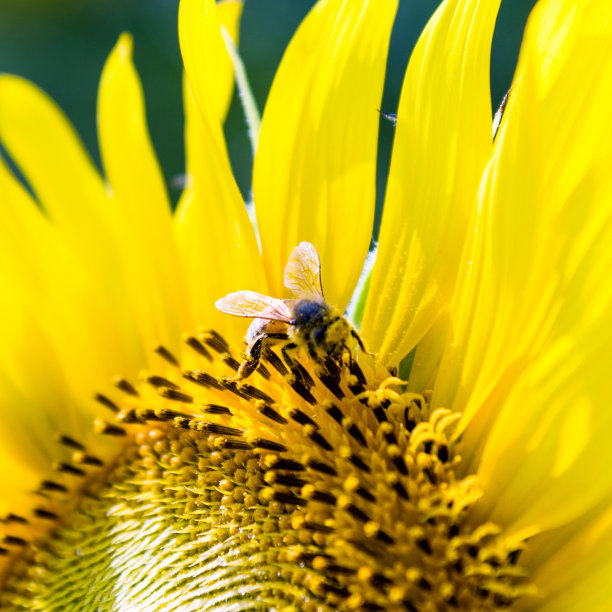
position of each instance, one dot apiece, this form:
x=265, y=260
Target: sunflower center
x=309, y=486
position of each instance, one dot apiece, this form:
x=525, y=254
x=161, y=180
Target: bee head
x=308, y=312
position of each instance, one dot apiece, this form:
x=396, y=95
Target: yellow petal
x=531, y=367
x=442, y=143
x=30, y=381
x=48, y=152
x=60, y=344
x=542, y=204
x=143, y=226
x=216, y=238
x=538, y=465
x=32, y=390
x=314, y=173
x=577, y=576
x=18, y=482
x=228, y=14
x=207, y=63
x=214, y=232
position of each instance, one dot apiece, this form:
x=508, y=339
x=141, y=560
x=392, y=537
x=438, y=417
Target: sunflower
x=464, y=464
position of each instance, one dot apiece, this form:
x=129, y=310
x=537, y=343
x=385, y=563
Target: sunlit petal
x=542, y=207
x=49, y=356
x=314, y=174
x=573, y=587
x=140, y=203
x=442, y=144
x=205, y=231
x=207, y=64
x=530, y=344
x=47, y=150
x=44, y=145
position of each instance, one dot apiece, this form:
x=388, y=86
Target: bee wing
x=303, y=271
x=256, y=305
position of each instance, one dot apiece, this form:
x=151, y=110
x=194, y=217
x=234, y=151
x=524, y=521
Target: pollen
x=310, y=487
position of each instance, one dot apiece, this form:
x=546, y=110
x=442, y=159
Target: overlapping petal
x=102, y=262
x=314, y=173
x=78, y=274
x=207, y=63
x=442, y=144
x=570, y=586
x=60, y=339
x=541, y=208
x=530, y=345
x=140, y=208
x=44, y=145
x=216, y=238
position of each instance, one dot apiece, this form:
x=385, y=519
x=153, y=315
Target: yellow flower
x=481, y=483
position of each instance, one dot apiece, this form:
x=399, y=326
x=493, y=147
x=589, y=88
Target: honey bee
x=307, y=321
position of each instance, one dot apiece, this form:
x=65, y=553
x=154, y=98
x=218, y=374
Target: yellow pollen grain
x=351, y=483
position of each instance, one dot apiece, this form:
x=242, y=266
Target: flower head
x=463, y=465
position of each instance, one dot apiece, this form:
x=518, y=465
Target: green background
x=61, y=45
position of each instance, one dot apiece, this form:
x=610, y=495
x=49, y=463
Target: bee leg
x=290, y=346
x=249, y=365
x=253, y=354
x=347, y=356
x=360, y=342
x=291, y=364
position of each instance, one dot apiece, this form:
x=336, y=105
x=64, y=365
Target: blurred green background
x=61, y=45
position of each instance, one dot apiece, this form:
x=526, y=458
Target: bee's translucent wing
x=303, y=272
x=255, y=305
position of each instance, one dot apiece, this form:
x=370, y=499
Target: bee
x=307, y=321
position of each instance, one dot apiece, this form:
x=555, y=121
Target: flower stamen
x=318, y=485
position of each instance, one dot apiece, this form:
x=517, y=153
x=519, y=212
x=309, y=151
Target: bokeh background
x=62, y=44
